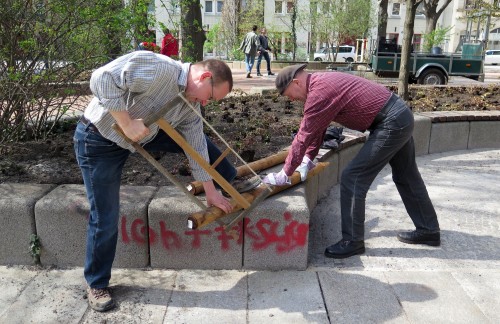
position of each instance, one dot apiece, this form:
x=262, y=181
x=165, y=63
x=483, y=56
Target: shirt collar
x=183, y=76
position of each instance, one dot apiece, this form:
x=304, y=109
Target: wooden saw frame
x=157, y=118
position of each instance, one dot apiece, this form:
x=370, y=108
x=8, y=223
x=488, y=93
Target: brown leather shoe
x=100, y=299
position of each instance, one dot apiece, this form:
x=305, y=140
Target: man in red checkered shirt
x=361, y=105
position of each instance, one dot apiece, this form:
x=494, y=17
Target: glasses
x=212, y=83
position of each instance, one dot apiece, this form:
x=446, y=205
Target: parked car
x=492, y=57
x=346, y=53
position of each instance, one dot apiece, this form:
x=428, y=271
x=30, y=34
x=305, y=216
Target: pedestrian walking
x=249, y=46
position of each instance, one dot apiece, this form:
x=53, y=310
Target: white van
x=346, y=53
x=492, y=57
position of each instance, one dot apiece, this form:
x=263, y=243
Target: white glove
x=304, y=167
x=277, y=179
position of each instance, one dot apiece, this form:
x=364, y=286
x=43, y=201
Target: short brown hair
x=221, y=72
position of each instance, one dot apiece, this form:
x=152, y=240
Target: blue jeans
x=249, y=60
x=264, y=54
x=101, y=162
x=390, y=141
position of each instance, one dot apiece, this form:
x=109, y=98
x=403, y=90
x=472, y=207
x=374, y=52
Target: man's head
x=254, y=28
x=208, y=80
x=291, y=82
x=166, y=31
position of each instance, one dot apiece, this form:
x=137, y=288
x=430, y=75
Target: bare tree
x=229, y=26
x=432, y=13
x=411, y=9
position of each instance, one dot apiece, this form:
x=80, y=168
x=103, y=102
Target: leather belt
x=383, y=112
x=89, y=124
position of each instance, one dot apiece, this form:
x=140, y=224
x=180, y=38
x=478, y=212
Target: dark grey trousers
x=390, y=141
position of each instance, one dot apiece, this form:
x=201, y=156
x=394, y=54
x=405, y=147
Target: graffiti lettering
x=264, y=234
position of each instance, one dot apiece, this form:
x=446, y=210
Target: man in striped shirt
x=125, y=91
x=361, y=105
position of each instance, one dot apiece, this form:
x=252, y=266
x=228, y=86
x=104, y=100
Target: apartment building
x=277, y=18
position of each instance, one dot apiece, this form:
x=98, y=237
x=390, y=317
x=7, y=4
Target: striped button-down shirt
x=140, y=83
x=332, y=96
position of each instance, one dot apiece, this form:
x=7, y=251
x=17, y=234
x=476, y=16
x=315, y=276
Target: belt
x=89, y=124
x=383, y=112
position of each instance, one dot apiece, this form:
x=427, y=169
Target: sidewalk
x=391, y=282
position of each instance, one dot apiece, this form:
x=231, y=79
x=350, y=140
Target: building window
x=278, y=7
x=289, y=6
x=209, y=7
x=393, y=38
x=396, y=7
x=220, y=5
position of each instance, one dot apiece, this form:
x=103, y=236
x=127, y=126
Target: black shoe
x=344, y=249
x=248, y=75
x=270, y=73
x=415, y=237
x=258, y=74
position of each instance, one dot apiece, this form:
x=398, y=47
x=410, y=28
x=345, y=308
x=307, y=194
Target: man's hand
x=135, y=130
x=304, y=167
x=132, y=128
x=277, y=179
x=215, y=198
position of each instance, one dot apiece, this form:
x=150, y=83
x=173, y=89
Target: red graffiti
x=169, y=238
x=196, y=243
x=264, y=234
x=138, y=232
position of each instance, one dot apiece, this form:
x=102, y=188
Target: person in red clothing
x=361, y=105
x=169, y=45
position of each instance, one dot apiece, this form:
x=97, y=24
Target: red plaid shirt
x=333, y=96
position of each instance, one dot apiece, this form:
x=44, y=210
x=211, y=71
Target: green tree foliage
x=48, y=45
x=337, y=21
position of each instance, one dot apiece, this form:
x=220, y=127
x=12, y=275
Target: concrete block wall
x=152, y=229
x=17, y=219
x=61, y=223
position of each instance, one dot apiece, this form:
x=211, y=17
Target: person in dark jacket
x=264, y=52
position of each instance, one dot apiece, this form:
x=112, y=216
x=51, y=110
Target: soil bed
x=254, y=126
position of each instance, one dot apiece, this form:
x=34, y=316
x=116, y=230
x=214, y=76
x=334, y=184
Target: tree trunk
x=192, y=33
x=382, y=18
x=411, y=8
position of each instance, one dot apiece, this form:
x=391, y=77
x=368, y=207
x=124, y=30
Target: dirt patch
x=254, y=126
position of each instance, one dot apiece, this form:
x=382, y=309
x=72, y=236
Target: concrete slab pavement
x=392, y=282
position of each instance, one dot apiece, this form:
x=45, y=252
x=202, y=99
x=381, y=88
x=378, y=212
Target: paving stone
x=417, y=291
x=285, y=297
x=55, y=296
x=217, y=297
x=141, y=296
x=360, y=297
